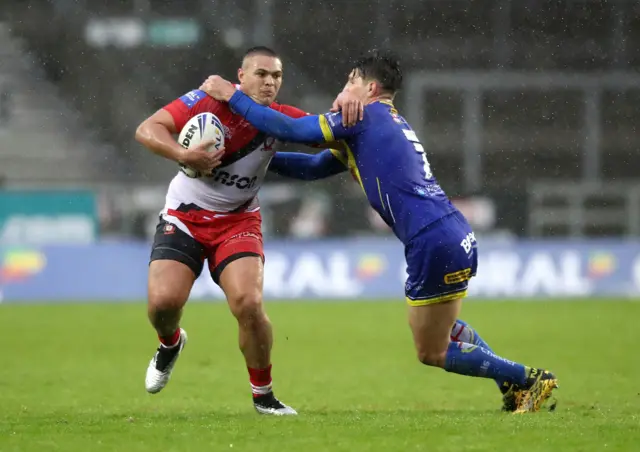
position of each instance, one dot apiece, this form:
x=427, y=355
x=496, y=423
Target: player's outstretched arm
x=301, y=130
x=307, y=129
x=309, y=167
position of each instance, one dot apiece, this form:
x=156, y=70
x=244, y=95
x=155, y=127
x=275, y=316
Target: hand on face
x=351, y=106
x=218, y=88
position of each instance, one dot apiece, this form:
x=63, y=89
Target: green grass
x=71, y=378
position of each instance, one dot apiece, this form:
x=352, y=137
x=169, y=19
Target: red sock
x=260, y=380
x=170, y=340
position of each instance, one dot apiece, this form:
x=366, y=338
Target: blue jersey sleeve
x=193, y=97
x=308, y=129
x=332, y=128
x=306, y=166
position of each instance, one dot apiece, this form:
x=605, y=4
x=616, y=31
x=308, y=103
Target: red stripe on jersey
x=238, y=132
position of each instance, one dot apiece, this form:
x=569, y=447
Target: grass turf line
x=72, y=378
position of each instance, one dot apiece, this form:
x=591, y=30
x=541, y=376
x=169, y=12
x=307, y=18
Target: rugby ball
x=202, y=127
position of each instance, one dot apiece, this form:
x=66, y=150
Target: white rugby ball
x=202, y=127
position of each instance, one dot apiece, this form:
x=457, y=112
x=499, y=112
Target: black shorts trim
x=170, y=243
x=216, y=272
x=164, y=254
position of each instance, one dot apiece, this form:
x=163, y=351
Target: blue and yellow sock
x=475, y=361
x=463, y=332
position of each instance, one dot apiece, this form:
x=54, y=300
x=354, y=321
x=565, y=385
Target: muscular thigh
x=176, y=261
x=170, y=284
x=241, y=281
x=243, y=277
x=431, y=324
x=236, y=261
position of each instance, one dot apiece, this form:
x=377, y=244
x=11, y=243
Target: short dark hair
x=260, y=50
x=381, y=67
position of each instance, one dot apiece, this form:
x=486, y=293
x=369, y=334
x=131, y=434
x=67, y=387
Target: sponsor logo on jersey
x=398, y=119
x=428, y=190
x=334, y=118
x=192, y=97
x=228, y=179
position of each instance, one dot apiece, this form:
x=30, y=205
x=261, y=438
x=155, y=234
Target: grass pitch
x=72, y=378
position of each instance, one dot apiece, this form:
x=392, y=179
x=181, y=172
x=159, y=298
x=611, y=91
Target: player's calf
x=431, y=325
x=255, y=333
x=463, y=332
x=241, y=281
x=169, y=285
x=430, y=355
x=255, y=343
x=166, y=322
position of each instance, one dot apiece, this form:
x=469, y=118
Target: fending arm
x=309, y=167
x=308, y=129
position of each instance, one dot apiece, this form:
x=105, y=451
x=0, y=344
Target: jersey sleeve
x=298, y=165
x=333, y=130
x=307, y=129
x=186, y=107
x=292, y=112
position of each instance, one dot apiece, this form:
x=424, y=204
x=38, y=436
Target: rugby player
x=386, y=158
x=217, y=218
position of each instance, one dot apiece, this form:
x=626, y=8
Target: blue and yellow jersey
x=386, y=158
x=382, y=152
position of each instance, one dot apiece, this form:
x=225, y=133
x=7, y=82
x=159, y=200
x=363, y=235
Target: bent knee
x=247, y=306
x=169, y=285
x=432, y=357
x=165, y=299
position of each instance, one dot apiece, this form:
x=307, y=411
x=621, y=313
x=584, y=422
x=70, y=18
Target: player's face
x=260, y=78
x=359, y=87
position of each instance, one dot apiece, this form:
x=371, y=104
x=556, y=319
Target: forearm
x=302, y=130
x=306, y=166
x=159, y=140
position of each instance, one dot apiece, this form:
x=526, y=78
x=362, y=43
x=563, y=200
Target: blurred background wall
x=528, y=109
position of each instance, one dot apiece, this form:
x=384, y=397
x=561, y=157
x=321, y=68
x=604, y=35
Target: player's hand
x=352, y=108
x=202, y=160
x=218, y=88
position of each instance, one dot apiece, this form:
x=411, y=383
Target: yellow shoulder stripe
x=326, y=129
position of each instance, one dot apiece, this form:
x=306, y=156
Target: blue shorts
x=440, y=261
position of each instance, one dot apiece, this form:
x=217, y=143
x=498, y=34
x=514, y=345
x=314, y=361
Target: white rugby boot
x=268, y=404
x=161, y=365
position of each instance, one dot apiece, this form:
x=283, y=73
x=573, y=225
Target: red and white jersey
x=235, y=183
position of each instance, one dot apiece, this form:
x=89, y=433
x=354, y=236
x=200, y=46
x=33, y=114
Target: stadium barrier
x=48, y=216
x=328, y=269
